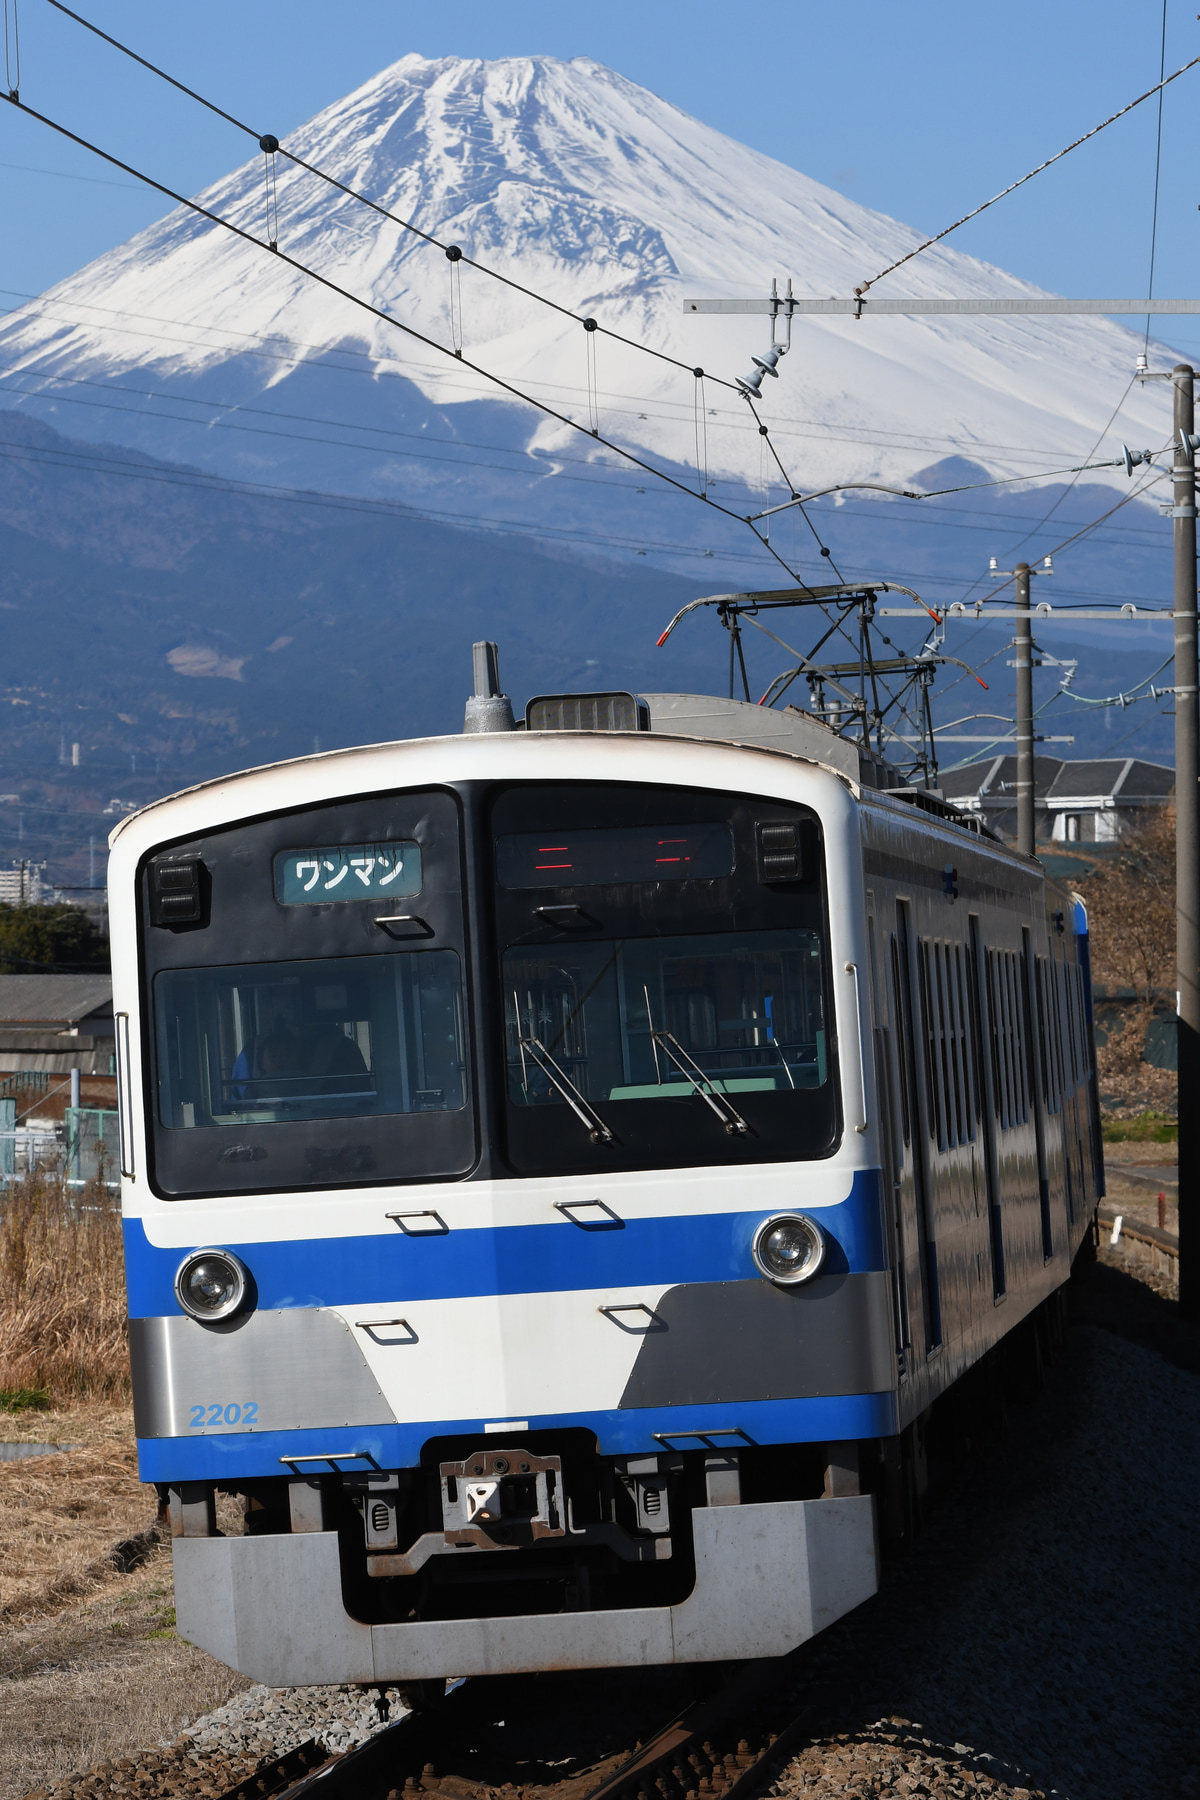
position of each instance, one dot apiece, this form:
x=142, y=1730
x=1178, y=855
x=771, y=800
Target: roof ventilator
x=587, y=712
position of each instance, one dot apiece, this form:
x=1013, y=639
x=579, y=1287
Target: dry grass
x=62, y=1515
x=104, y=1678
x=90, y=1666
x=62, y=1293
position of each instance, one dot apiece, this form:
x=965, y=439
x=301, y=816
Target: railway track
x=755, y=1727
x=718, y=1742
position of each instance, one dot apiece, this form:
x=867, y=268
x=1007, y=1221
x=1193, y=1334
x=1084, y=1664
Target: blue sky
x=921, y=110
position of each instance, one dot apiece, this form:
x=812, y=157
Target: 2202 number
x=220, y=1414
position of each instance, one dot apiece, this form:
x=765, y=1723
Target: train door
x=891, y=1149
x=1050, y=1070
x=1034, y=1038
x=985, y=1037
x=1078, y=1068
x=913, y=1032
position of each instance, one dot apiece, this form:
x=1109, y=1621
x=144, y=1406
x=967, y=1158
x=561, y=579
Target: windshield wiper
x=562, y=1084
x=691, y=1071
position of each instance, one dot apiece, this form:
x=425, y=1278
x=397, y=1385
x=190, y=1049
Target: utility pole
x=1023, y=644
x=1187, y=837
x=1024, y=666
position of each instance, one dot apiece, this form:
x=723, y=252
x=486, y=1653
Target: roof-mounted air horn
x=488, y=709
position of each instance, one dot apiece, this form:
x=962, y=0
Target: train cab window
x=288, y=1042
x=310, y=1028
x=665, y=999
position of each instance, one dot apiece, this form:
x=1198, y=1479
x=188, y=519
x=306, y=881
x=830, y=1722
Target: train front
x=507, y=1283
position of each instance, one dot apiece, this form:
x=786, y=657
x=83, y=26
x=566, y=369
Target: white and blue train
x=562, y=1168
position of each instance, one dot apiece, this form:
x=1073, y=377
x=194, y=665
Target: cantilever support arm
x=771, y=597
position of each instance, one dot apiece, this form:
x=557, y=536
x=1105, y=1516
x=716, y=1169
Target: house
x=1075, y=802
x=56, y=1023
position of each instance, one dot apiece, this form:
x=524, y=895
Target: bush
x=17, y=1400
x=40, y=939
x=1148, y=1128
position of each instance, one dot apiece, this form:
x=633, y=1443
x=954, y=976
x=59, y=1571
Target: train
x=564, y=1167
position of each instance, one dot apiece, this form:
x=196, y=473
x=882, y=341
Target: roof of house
x=1112, y=777
x=996, y=777
x=1059, y=781
x=56, y=1002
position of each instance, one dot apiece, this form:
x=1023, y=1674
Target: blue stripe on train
x=510, y=1259
x=241, y=1455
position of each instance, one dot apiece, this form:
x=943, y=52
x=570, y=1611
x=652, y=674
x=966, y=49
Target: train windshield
x=663, y=1018
x=664, y=984
x=308, y=1022
x=310, y=1040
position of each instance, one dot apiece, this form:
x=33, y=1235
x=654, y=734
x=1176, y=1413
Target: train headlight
x=789, y=1248
x=212, y=1284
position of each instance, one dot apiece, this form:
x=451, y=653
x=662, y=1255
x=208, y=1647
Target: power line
x=829, y=432
x=66, y=175
x=1013, y=185
x=533, y=468
x=372, y=508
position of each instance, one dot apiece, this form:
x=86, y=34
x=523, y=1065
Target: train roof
x=705, y=718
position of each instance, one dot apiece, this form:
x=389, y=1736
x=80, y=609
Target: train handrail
x=852, y=969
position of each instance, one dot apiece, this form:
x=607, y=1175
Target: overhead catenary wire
x=554, y=470
x=364, y=199
x=1162, y=65
x=616, y=449
x=277, y=348
x=370, y=508
x=1014, y=185
x=410, y=331
x=241, y=410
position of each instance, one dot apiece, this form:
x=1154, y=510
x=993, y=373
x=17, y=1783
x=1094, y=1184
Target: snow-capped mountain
x=613, y=203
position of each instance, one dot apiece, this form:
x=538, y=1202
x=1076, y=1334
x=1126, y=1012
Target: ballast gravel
x=230, y=1747
x=263, y=1721
x=1042, y=1639
x=1044, y=1635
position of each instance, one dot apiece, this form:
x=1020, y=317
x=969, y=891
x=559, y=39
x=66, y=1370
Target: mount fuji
x=192, y=432
x=191, y=344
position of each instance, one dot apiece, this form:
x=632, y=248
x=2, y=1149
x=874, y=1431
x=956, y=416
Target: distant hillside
x=177, y=630
x=174, y=632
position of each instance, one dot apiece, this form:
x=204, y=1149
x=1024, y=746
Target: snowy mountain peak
x=589, y=189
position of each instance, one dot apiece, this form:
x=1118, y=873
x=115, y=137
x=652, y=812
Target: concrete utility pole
x=1187, y=838
x=1023, y=644
x=1024, y=667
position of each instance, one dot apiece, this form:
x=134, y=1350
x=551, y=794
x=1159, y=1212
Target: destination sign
x=333, y=872
x=531, y=859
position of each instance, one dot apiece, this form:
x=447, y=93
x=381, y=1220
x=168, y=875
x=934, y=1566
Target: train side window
x=1085, y=1049
x=1075, y=1014
x=898, y=1012
x=1058, y=1045
x=958, y=1045
x=1045, y=1032
x=1000, y=1071
x=1020, y=1047
x=1008, y=1046
x=966, y=1046
x=1073, y=1061
x=949, y=1063
x=926, y=965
